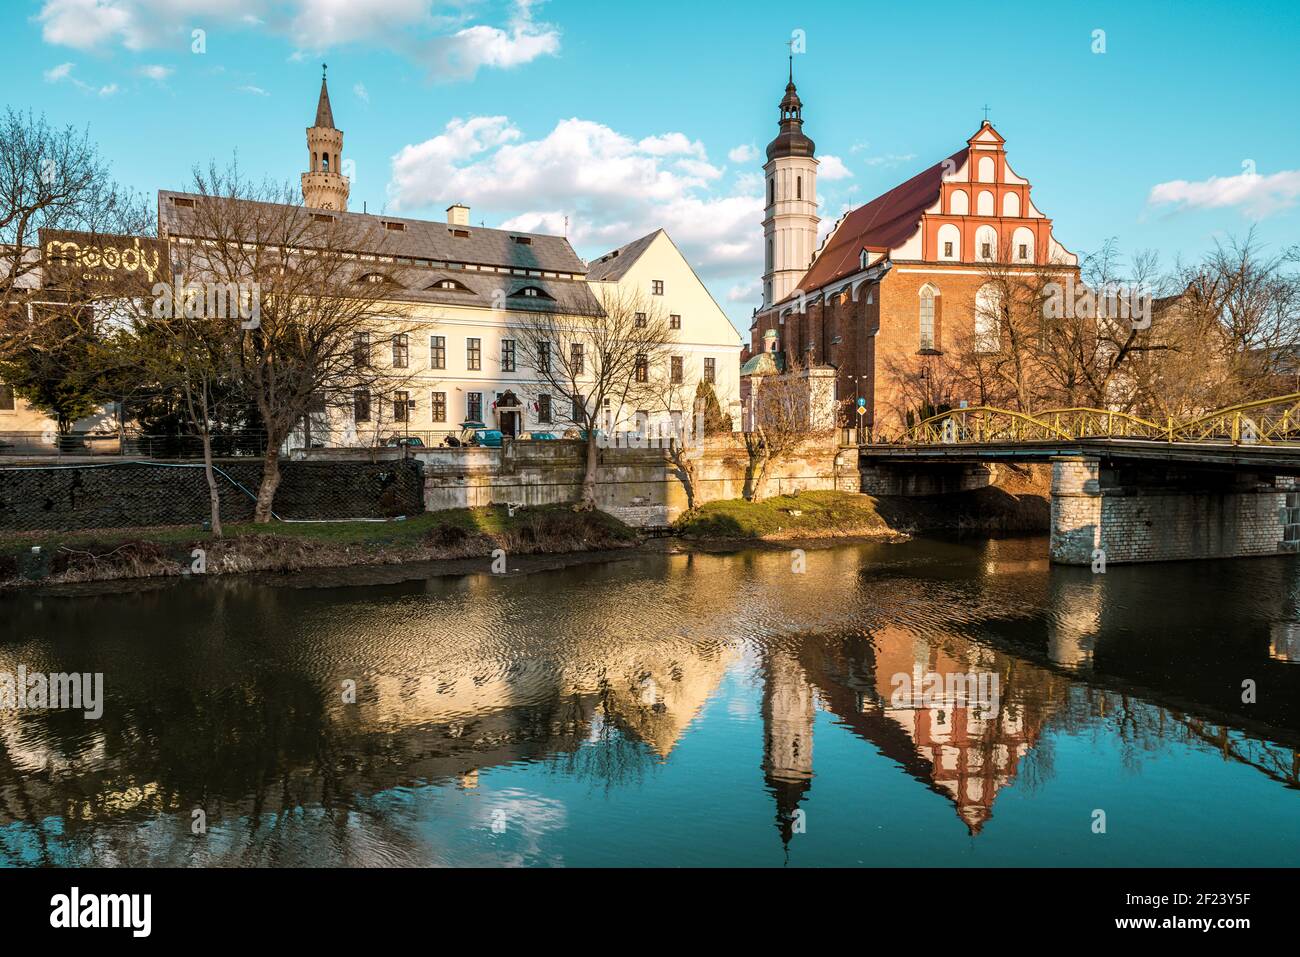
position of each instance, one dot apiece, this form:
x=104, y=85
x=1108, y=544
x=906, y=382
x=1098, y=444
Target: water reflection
x=665, y=709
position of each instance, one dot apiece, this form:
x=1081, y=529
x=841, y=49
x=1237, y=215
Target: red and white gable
x=983, y=213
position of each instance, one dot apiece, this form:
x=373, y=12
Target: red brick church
x=897, y=279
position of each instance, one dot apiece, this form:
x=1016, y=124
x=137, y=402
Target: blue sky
x=630, y=116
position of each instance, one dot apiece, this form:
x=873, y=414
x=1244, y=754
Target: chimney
x=457, y=215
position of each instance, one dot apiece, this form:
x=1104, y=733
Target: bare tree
x=782, y=418
x=593, y=361
x=50, y=179
x=322, y=285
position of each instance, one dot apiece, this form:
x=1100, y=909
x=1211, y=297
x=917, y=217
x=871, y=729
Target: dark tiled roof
x=424, y=252
x=885, y=222
x=420, y=239
x=614, y=265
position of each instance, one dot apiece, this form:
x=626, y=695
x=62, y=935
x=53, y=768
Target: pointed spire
x=324, y=115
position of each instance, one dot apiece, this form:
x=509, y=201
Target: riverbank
x=1017, y=502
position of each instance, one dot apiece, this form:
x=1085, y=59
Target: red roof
x=882, y=224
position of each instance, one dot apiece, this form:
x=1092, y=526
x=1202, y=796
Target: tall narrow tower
x=325, y=186
x=790, y=221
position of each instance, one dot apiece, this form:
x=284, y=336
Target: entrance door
x=510, y=424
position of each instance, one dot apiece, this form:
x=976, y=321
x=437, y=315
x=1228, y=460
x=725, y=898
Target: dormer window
x=448, y=285
x=522, y=240
x=460, y=233
x=395, y=227
x=377, y=278
x=532, y=292
x=862, y=259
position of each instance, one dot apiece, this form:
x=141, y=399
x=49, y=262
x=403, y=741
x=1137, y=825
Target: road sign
x=862, y=410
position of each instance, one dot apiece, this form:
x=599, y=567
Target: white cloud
x=744, y=153
x=1258, y=196
x=832, y=168
x=56, y=73
x=612, y=188
x=156, y=72
x=889, y=159
x=744, y=291
x=361, y=93
x=442, y=37
x=255, y=90
x=63, y=71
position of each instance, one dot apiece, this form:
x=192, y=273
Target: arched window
x=325, y=157
x=984, y=203
x=986, y=168
x=926, y=315
x=798, y=187
x=862, y=259
x=949, y=243
x=986, y=244
x=959, y=202
x=315, y=162
x=1022, y=244
x=771, y=191
x=1011, y=204
x=988, y=318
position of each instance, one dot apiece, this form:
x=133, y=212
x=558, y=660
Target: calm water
x=671, y=710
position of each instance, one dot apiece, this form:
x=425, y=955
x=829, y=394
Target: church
x=896, y=282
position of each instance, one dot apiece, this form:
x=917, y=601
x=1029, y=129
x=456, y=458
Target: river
x=759, y=708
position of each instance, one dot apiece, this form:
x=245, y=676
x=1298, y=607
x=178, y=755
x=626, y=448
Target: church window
x=927, y=316
x=949, y=240
x=315, y=161
x=986, y=241
x=325, y=165
x=798, y=187
x=862, y=259
x=988, y=309
x=771, y=191
x=1024, y=240
x=986, y=250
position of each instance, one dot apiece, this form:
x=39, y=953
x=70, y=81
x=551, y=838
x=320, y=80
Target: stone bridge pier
x=1160, y=511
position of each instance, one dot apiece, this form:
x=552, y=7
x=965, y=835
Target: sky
x=1162, y=126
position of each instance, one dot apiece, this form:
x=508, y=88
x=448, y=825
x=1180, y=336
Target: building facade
x=899, y=280
x=465, y=290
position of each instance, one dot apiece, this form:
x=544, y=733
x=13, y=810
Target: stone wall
x=1167, y=515
x=638, y=485
x=132, y=494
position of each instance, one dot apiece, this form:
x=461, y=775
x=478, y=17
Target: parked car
x=410, y=441
x=475, y=433
x=540, y=436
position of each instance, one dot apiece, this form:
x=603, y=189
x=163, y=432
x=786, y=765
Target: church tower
x=790, y=221
x=325, y=186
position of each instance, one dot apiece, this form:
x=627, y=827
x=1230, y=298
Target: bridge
x=1124, y=488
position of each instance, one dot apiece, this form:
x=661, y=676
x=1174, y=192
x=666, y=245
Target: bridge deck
x=1272, y=459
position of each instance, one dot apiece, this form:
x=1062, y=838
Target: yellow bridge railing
x=1274, y=421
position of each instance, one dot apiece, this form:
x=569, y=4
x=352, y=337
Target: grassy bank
x=1017, y=501
x=457, y=533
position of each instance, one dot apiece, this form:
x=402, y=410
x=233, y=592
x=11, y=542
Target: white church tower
x=324, y=186
x=790, y=222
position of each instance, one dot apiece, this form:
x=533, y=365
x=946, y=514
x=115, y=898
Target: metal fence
x=130, y=445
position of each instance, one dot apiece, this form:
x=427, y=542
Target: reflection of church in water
x=965, y=751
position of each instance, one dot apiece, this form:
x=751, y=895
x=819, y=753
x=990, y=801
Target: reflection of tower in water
x=788, y=710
